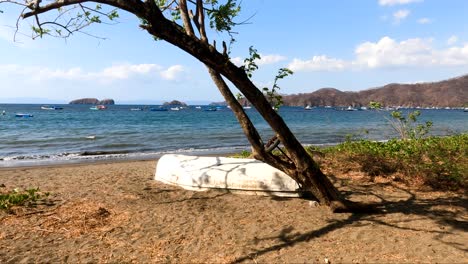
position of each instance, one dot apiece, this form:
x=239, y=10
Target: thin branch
x=133, y=6
x=17, y=25
x=201, y=20
x=167, y=6
x=186, y=18
x=59, y=25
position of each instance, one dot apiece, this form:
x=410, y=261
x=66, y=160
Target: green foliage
x=275, y=99
x=407, y=126
x=242, y=155
x=375, y=105
x=20, y=198
x=249, y=63
x=439, y=162
x=40, y=31
x=222, y=15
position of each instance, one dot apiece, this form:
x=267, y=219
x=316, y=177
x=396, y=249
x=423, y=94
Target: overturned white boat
x=248, y=176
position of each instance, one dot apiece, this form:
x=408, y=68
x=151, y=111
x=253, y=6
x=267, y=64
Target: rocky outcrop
x=92, y=101
x=107, y=101
x=175, y=103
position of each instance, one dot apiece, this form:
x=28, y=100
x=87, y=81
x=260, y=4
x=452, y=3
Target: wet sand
x=116, y=212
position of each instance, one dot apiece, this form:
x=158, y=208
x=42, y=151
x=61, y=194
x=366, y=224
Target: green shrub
x=441, y=162
x=16, y=197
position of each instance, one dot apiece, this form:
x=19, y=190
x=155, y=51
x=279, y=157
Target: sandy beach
x=116, y=212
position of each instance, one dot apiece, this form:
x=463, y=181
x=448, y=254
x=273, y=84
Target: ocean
x=78, y=134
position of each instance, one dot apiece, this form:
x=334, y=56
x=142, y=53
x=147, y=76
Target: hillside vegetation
x=452, y=93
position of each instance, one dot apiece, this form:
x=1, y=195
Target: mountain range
x=452, y=93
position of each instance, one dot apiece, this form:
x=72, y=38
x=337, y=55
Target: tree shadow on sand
x=435, y=209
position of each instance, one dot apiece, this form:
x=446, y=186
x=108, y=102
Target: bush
x=16, y=197
x=439, y=162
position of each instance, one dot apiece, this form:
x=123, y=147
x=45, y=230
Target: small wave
x=94, y=153
x=91, y=156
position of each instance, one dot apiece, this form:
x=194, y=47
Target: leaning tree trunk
x=298, y=165
x=301, y=167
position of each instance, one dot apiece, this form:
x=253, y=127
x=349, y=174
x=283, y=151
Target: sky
x=350, y=45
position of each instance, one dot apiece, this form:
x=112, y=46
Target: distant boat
x=23, y=115
x=136, y=109
x=3, y=112
x=211, y=109
x=465, y=110
x=158, y=109
x=197, y=107
x=46, y=107
x=247, y=107
x=98, y=107
x=307, y=107
x=350, y=108
x=175, y=108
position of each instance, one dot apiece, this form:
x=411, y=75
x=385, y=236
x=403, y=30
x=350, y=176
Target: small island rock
x=175, y=103
x=92, y=101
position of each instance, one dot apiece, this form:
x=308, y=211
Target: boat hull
x=247, y=176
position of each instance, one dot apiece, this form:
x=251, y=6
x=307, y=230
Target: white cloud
x=270, y=59
x=125, y=71
x=238, y=61
x=172, y=72
x=397, y=2
x=452, y=40
x=388, y=52
x=106, y=75
x=424, y=20
x=264, y=59
x=400, y=15
x=318, y=63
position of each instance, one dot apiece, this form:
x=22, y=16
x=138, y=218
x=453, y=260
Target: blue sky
x=347, y=44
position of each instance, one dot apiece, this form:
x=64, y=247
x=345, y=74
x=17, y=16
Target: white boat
x=350, y=108
x=247, y=176
x=247, y=107
x=98, y=107
x=175, y=108
x=23, y=115
x=197, y=107
x=46, y=107
x=307, y=107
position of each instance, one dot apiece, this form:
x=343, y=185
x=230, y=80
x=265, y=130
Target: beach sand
x=116, y=212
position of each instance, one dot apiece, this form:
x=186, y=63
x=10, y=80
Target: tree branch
x=133, y=6
x=201, y=21
x=186, y=18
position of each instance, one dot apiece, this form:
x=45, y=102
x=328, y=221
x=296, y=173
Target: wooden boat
x=247, y=176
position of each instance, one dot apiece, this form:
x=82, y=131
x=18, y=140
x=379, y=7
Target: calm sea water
x=77, y=134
